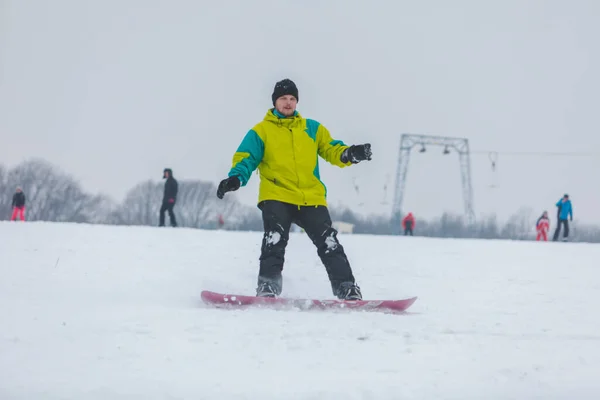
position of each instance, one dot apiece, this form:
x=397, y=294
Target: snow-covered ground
x=101, y=312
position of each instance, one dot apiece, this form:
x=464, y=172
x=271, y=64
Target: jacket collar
x=281, y=120
x=279, y=115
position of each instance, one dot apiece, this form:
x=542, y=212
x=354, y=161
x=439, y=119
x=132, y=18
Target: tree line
x=55, y=196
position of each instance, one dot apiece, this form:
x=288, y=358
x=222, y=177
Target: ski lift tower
x=460, y=145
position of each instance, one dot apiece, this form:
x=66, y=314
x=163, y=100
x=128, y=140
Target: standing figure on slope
x=285, y=147
x=169, y=198
x=565, y=210
x=18, y=205
x=408, y=224
x=542, y=227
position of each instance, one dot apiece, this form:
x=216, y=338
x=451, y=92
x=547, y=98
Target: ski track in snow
x=106, y=312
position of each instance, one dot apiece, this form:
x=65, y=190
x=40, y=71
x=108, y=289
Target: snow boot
x=265, y=289
x=349, y=291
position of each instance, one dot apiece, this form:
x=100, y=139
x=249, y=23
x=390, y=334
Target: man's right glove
x=357, y=153
x=228, y=185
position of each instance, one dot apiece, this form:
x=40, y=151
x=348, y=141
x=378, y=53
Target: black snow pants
x=316, y=222
x=166, y=206
x=408, y=230
x=557, y=231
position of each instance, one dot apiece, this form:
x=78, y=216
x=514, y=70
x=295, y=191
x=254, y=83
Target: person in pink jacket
x=542, y=226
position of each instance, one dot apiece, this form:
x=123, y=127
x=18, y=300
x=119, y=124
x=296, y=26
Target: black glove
x=228, y=185
x=357, y=153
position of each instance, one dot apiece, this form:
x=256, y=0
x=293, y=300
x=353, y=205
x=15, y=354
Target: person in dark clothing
x=285, y=147
x=565, y=212
x=18, y=205
x=169, y=198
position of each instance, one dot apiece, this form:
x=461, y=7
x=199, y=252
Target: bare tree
x=251, y=220
x=197, y=206
x=51, y=194
x=521, y=225
x=6, y=193
x=140, y=206
x=99, y=210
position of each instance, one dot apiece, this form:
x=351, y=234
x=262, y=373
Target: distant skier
x=285, y=147
x=18, y=205
x=408, y=224
x=565, y=212
x=169, y=198
x=542, y=227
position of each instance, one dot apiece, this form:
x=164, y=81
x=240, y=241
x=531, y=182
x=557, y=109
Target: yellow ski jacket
x=285, y=151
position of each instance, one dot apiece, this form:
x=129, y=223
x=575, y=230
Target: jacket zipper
x=296, y=164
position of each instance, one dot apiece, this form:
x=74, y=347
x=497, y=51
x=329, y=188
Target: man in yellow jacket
x=285, y=148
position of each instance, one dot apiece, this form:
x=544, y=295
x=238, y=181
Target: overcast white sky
x=114, y=91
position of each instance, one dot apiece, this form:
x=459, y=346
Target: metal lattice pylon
x=460, y=145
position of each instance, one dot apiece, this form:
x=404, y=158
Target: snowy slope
x=100, y=312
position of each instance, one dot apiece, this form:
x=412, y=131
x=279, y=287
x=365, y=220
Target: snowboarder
x=169, y=198
x=565, y=211
x=18, y=205
x=285, y=148
x=542, y=227
x=408, y=224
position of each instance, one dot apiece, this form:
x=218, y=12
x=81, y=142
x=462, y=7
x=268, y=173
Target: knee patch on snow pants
x=277, y=221
x=332, y=254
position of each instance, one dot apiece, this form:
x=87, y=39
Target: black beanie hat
x=284, y=87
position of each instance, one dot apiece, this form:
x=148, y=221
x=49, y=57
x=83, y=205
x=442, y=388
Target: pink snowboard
x=241, y=301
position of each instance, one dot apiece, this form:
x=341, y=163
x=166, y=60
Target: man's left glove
x=228, y=185
x=357, y=153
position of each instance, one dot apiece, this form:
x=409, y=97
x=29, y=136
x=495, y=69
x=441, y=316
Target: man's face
x=286, y=105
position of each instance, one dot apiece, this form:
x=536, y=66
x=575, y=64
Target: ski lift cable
x=535, y=153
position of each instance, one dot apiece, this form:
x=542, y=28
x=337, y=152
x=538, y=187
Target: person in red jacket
x=542, y=226
x=408, y=224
